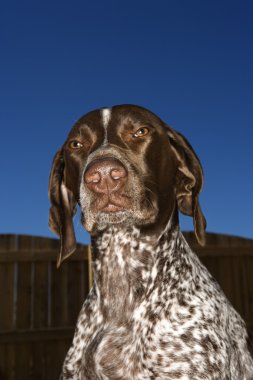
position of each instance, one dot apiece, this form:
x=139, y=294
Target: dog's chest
x=151, y=343
x=149, y=323
x=118, y=355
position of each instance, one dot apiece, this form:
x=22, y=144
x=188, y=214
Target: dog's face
x=119, y=158
x=123, y=166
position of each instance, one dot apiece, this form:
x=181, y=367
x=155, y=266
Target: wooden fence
x=39, y=304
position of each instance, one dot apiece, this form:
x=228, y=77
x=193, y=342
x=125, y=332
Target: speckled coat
x=154, y=311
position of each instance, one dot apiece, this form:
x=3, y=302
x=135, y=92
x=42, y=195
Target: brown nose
x=105, y=175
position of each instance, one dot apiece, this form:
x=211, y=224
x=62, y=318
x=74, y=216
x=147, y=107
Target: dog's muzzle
x=106, y=177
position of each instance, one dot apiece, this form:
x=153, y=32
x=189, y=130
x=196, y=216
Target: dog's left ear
x=63, y=208
x=189, y=182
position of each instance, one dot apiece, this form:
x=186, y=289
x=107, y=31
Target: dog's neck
x=126, y=264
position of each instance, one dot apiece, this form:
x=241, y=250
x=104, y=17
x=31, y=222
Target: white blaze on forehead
x=106, y=114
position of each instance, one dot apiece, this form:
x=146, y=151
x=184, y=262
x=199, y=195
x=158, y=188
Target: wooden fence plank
x=74, y=291
x=40, y=304
x=59, y=291
x=10, y=361
x=90, y=266
x=211, y=263
x=24, y=296
x=86, y=280
x=23, y=361
x=248, y=265
x=55, y=353
x=2, y=361
x=6, y=296
x=38, y=361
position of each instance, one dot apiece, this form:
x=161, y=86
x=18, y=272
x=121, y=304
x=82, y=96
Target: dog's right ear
x=62, y=208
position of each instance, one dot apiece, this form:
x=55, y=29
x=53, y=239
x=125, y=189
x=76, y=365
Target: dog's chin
x=105, y=219
x=100, y=221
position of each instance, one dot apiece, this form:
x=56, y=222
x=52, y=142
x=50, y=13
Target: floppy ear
x=62, y=209
x=189, y=182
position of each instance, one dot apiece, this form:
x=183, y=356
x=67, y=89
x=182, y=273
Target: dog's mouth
x=111, y=203
x=121, y=210
x=101, y=215
x=112, y=208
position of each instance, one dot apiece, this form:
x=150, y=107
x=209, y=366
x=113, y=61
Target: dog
x=154, y=311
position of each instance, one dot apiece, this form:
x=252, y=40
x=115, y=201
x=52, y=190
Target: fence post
x=90, y=266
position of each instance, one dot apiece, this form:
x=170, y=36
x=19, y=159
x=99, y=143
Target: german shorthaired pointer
x=154, y=311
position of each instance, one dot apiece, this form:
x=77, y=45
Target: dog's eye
x=74, y=144
x=141, y=132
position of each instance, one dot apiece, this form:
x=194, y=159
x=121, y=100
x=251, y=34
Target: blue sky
x=188, y=61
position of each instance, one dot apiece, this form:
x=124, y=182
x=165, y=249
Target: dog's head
x=123, y=166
